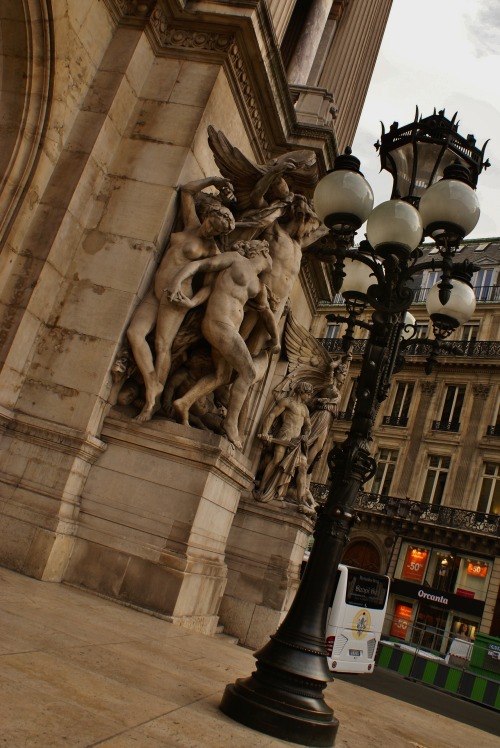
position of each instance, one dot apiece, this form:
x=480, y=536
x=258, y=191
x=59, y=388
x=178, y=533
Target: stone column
x=308, y=43
x=349, y=68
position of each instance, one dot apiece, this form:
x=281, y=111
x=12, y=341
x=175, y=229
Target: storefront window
x=401, y=620
x=437, y=596
x=463, y=628
x=414, y=564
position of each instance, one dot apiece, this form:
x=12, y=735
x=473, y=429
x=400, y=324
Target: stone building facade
x=430, y=517
x=106, y=105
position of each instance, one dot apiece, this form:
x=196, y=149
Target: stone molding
x=177, y=441
x=59, y=438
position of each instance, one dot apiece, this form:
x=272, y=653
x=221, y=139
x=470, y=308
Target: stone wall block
x=66, y=405
x=137, y=210
x=151, y=163
x=77, y=13
x=16, y=541
x=64, y=350
x=123, y=106
x=165, y=496
x=141, y=64
x=161, y=79
x=94, y=311
x=194, y=83
x=113, y=261
x=168, y=123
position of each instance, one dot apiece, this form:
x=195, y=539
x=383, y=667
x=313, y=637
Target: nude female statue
x=236, y=282
x=194, y=242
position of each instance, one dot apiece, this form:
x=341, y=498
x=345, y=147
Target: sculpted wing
x=303, y=176
x=235, y=166
x=308, y=360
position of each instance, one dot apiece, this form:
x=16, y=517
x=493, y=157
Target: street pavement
x=77, y=671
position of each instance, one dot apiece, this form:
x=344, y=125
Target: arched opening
x=26, y=73
x=364, y=555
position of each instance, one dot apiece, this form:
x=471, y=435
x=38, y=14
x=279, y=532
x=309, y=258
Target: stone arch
x=363, y=554
x=26, y=73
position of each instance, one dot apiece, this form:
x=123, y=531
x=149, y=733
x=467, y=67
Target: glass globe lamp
x=450, y=208
x=394, y=227
x=457, y=310
x=343, y=199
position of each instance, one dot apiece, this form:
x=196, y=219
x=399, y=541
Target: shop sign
x=433, y=597
x=448, y=600
x=402, y=617
x=476, y=569
x=414, y=566
x=465, y=593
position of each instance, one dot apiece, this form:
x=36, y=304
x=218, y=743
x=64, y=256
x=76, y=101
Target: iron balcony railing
x=418, y=512
x=484, y=294
x=446, y=426
x=472, y=348
x=395, y=421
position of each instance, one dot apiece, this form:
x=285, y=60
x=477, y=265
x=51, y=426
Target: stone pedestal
x=155, y=517
x=264, y=554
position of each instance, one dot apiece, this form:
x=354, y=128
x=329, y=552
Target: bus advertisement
x=355, y=619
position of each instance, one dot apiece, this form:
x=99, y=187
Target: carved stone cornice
x=481, y=390
x=131, y=11
x=222, y=47
x=236, y=42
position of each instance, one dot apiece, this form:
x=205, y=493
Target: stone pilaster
x=427, y=390
x=468, y=441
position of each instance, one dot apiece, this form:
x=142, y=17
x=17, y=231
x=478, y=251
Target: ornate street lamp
x=284, y=696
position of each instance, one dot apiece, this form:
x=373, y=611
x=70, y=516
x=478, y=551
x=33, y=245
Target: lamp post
x=284, y=696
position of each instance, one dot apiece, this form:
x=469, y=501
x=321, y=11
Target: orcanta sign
x=433, y=598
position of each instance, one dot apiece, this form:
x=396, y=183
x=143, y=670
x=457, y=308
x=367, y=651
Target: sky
x=442, y=54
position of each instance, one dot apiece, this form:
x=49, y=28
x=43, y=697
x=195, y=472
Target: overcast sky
x=443, y=54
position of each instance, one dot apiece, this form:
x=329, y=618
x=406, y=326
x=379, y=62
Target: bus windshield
x=366, y=590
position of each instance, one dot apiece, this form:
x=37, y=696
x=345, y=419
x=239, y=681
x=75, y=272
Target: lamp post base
x=294, y=718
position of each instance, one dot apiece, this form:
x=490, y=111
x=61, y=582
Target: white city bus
x=355, y=619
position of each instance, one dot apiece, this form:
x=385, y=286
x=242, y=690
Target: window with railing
x=452, y=408
x=435, y=480
x=400, y=405
x=422, y=329
x=489, y=494
x=333, y=331
x=429, y=279
x=484, y=282
x=386, y=465
x=469, y=331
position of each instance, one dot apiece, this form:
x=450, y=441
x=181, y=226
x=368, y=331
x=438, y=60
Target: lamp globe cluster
x=447, y=211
